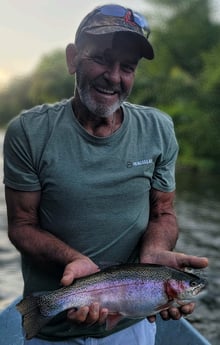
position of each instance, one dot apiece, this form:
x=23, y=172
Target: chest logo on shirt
x=139, y=163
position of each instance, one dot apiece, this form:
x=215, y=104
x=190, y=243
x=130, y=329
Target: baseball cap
x=111, y=18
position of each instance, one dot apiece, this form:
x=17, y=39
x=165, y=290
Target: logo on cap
x=129, y=18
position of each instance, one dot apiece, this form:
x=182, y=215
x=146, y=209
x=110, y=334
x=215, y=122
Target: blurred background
x=183, y=80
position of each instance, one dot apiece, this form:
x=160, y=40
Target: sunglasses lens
x=119, y=11
x=142, y=22
x=113, y=10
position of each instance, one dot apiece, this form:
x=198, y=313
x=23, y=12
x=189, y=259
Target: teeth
x=109, y=92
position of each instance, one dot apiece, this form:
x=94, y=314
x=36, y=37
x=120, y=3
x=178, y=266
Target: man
x=91, y=180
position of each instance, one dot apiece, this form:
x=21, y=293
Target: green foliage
x=184, y=78
x=210, y=76
x=14, y=98
x=48, y=83
x=50, y=80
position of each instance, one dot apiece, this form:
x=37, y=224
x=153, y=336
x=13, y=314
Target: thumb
x=68, y=277
x=192, y=261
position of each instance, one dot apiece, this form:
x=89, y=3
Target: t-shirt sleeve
x=19, y=170
x=164, y=172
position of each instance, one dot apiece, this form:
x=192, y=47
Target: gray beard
x=98, y=109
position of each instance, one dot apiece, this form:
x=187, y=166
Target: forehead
x=118, y=44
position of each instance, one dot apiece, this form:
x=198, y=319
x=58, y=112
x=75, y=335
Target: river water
x=198, y=209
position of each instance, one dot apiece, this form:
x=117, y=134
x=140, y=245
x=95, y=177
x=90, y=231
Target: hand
x=80, y=267
x=174, y=259
x=179, y=261
x=88, y=314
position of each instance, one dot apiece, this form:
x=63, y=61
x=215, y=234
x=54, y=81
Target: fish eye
x=193, y=283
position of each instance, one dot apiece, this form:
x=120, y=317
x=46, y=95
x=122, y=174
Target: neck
x=97, y=126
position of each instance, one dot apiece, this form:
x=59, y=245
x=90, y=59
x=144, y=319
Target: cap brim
x=146, y=48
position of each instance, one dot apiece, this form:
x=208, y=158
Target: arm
x=159, y=241
x=27, y=236
x=161, y=236
x=25, y=233
x=162, y=230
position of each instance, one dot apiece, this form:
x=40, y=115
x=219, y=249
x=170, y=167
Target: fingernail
x=72, y=312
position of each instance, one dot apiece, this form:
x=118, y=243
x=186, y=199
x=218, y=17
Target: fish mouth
x=197, y=289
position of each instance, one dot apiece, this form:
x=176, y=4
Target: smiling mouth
x=105, y=91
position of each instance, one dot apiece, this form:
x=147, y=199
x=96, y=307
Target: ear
x=71, y=54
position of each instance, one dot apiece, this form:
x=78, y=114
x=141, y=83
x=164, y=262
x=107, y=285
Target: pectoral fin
x=163, y=307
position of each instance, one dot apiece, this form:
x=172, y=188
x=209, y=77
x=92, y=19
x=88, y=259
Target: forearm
x=42, y=246
x=162, y=231
x=161, y=234
x=28, y=237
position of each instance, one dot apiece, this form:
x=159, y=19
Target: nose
x=113, y=74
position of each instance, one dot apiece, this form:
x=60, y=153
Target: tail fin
x=32, y=320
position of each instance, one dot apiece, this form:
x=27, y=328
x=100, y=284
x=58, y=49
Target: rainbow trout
x=130, y=290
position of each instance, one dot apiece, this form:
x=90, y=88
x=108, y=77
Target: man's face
x=105, y=73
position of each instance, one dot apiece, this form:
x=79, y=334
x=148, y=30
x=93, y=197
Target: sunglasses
x=119, y=11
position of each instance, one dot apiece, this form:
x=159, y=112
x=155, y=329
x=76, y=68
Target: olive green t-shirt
x=95, y=190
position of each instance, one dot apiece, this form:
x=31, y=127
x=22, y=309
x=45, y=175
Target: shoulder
x=32, y=128
x=148, y=115
x=43, y=112
x=38, y=119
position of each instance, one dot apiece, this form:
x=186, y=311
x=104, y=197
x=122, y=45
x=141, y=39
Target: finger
x=187, y=308
x=174, y=313
x=103, y=316
x=68, y=277
x=165, y=315
x=93, y=315
x=78, y=268
x=192, y=261
x=79, y=315
x=151, y=318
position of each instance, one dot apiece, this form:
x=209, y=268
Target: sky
x=30, y=29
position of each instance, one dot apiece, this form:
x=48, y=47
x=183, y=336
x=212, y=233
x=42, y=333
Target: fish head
x=185, y=289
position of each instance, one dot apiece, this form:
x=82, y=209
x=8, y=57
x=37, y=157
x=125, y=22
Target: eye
x=100, y=59
x=193, y=283
x=127, y=68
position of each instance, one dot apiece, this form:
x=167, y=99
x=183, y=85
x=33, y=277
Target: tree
x=210, y=102
x=14, y=99
x=50, y=80
x=183, y=75
x=48, y=83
